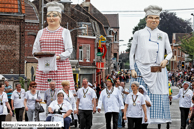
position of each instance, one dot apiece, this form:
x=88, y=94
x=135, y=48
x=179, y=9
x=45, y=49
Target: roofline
x=12, y=14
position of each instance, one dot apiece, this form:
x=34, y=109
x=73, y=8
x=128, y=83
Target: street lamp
x=193, y=20
x=80, y=28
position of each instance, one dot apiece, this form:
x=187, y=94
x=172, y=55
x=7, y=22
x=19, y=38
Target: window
x=115, y=37
x=80, y=53
x=85, y=31
x=88, y=53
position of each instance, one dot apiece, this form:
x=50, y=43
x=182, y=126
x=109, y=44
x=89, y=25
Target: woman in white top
x=134, y=104
x=143, y=91
x=32, y=96
x=3, y=103
x=61, y=106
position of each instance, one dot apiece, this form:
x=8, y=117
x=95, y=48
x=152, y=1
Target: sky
x=128, y=20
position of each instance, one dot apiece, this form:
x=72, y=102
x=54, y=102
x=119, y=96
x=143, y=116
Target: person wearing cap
x=53, y=38
x=86, y=104
x=185, y=102
x=148, y=104
x=147, y=50
x=112, y=101
x=61, y=106
x=134, y=107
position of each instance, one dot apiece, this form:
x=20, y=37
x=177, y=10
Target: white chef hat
x=54, y=6
x=186, y=82
x=153, y=10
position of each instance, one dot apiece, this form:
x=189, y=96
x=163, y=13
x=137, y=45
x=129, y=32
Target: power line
x=137, y=11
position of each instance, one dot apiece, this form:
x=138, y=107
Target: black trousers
x=144, y=126
x=136, y=121
x=85, y=119
x=19, y=113
x=108, y=116
x=2, y=118
x=184, y=116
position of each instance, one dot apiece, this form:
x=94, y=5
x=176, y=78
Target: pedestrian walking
x=112, y=102
x=50, y=94
x=86, y=104
x=185, y=103
x=134, y=104
x=17, y=101
x=148, y=104
x=32, y=96
x=4, y=104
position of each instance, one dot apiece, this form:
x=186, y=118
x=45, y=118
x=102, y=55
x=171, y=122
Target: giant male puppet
x=148, y=65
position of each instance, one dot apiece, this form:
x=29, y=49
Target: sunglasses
x=34, y=86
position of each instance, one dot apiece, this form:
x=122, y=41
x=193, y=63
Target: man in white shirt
x=120, y=89
x=50, y=94
x=112, y=102
x=148, y=50
x=17, y=101
x=185, y=102
x=86, y=104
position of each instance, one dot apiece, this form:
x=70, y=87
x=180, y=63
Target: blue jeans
x=67, y=122
x=120, y=119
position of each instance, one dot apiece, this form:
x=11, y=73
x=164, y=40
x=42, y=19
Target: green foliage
x=22, y=82
x=187, y=46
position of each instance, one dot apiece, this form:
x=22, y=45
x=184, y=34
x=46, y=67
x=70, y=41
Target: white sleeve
x=26, y=96
x=126, y=100
x=12, y=96
x=78, y=94
x=6, y=99
x=168, y=48
x=177, y=96
x=100, y=100
x=133, y=50
x=67, y=44
x=36, y=46
x=120, y=99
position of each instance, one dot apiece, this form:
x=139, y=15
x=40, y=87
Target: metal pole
x=42, y=13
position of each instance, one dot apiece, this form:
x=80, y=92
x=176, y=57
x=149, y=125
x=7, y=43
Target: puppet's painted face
x=152, y=21
x=53, y=18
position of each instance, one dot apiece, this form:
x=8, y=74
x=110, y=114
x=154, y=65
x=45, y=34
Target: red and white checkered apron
x=53, y=42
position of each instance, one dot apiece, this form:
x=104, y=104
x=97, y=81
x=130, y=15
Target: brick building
x=178, y=55
x=12, y=40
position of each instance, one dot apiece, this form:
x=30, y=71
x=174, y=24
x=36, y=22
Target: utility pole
x=40, y=14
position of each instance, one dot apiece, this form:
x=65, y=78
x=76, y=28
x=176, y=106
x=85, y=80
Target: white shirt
x=185, y=102
x=120, y=89
x=148, y=47
x=69, y=98
x=31, y=99
x=124, y=95
x=66, y=40
x=135, y=111
x=17, y=102
x=66, y=106
x=5, y=99
x=112, y=104
x=147, y=98
x=86, y=103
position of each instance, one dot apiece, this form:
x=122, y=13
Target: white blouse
x=4, y=100
x=66, y=40
x=135, y=111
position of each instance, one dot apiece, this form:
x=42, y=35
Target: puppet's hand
x=163, y=63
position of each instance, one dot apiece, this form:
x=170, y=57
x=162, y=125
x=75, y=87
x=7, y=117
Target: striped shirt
x=10, y=93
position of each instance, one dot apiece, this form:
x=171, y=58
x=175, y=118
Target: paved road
x=99, y=118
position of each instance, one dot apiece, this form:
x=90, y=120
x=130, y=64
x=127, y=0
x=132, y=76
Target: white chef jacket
x=86, y=103
x=66, y=40
x=135, y=111
x=120, y=89
x=5, y=99
x=66, y=106
x=148, y=47
x=70, y=99
x=185, y=102
x=112, y=104
x=18, y=103
x=124, y=95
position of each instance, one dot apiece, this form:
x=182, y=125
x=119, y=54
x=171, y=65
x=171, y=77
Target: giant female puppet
x=147, y=58
x=55, y=39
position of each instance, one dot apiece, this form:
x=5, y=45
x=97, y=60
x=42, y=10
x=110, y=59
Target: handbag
x=38, y=106
x=4, y=110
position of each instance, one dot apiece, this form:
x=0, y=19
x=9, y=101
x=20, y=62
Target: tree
x=187, y=46
x=169, y=23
